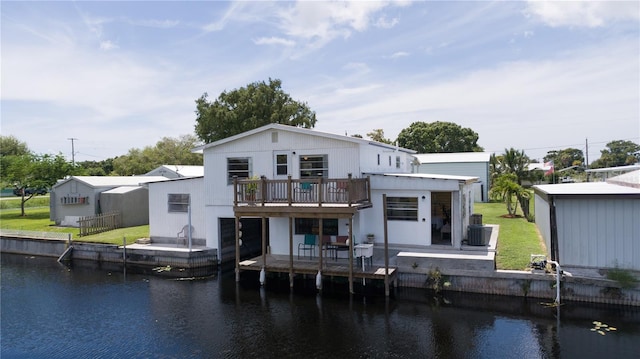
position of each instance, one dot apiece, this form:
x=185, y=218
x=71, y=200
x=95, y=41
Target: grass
x=37, y=219
x=517, y=240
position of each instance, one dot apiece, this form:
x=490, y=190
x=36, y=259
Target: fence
x=99, y=223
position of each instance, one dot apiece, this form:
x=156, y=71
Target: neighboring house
x=169, y=212
x=601, y=174
x=591, y=224
x=473, y=164
x=177, y=171
x=322, y=167
x=81, y=196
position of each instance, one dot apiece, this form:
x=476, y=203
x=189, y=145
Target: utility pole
x=586, y=158
x=73, y=151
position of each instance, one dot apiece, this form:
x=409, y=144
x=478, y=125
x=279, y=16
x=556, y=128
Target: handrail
x=320, y=191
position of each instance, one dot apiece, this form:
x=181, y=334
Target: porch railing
x=321, y=191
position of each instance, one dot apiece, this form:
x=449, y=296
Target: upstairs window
x=313, y=166
x=178, y=202
x=239, y=167
x=397, y=161
x=402, y=208
x=282, y=165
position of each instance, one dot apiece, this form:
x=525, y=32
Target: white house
x=337, y=178
x=80, y=196
x=592, y=224
x=471, y=164
x=173, y=206
x=177, y=171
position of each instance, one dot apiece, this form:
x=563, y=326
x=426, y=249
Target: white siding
x=164, y=225
x=474, y=169
x=543, y=222
x=599, y=232
x=74, y=188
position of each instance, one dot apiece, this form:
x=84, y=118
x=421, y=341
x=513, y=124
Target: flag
x=548, y=165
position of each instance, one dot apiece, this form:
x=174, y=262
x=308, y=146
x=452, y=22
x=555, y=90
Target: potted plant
x=251, y=188
x=371, y=237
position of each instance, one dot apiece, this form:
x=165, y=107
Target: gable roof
x=112, y=181
x=181, y=170
x=305, y=131
x=456, y=157
x=464, y=179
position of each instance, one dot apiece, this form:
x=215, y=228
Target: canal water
x=91, y=311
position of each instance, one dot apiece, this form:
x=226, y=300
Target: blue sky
x=536, y=76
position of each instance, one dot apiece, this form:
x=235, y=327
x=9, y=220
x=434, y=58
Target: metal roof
x=183, y=170
x=113, y=181
x=453, y=157
x=306, y=131
x=433, y=176
x=587, y=188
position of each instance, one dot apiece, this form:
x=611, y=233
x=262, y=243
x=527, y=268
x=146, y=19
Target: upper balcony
x=316, y=192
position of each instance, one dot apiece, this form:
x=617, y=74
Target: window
x=281, y=165
x=239, y=167
x=178, y=202
x=378, y=159
x=313, y=166
x=402, y=208
x=311, y=225
x=389, y=161
x=397, y=161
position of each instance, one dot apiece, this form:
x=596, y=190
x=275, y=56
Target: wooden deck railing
x=350, y=191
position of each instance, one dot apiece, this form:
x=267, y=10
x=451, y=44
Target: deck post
x=349, y=192
x=264, y=250
x=320, y=245
x=289, y=194
x=350, y=239
x=237, y=247
x=386, y=245
x=290, y=245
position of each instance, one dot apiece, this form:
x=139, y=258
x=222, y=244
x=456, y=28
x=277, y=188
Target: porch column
x=291, y=252
x=456, y=220
x=237, y=249
x=386, y=245
x=350, y=239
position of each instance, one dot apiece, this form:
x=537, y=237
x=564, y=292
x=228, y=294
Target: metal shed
x=595, y=224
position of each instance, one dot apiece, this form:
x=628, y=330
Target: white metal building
x=177, y=171
x=169, y=211
x=594, y=224
x=471, y=164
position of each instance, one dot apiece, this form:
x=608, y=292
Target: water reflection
x=51, y=311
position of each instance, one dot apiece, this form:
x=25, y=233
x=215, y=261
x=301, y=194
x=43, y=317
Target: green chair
x=309, y=244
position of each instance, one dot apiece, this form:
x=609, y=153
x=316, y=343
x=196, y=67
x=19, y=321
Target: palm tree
x=505, y=188
x=515, y=162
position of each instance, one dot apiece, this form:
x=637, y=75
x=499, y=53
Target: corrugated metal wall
x=599, y=232
x=543, y=222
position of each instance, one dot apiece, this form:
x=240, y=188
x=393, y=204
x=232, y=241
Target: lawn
x=37, y=219
x=517, y=240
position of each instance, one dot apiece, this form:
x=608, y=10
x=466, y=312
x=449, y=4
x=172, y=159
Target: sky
x=114, y=76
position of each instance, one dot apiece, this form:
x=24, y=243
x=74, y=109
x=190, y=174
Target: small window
x=239, y=167
x=389, y=161
x=397, y=161
x=378, y=159
x=314, y=166
x=311, y=225
x=274, y=137
x=402, y=208
x=178, y=202
x=282, y=165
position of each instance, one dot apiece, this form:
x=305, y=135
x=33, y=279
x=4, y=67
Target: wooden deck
x=331, y=267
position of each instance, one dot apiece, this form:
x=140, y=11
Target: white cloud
x=383, y=23
x=108, y=45
x=584, y=13
x=399, y=54
x=274, y=41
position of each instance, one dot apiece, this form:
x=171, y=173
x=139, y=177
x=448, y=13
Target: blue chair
x=309, y=244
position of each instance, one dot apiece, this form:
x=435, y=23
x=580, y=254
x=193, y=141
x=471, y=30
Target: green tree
x=378, y=136
x=618, y=153
x=438, y=137
x=506, y=189
x=565, y=158
x=249, y=107
x=11, y=146
x=168, y=151
x=34, y=171
x=515, y=162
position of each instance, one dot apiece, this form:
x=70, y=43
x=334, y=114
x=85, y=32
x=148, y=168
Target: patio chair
x=328, y=246
x=341, y=245
x=304, y=191
x=309, y=244
x=183, y=235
